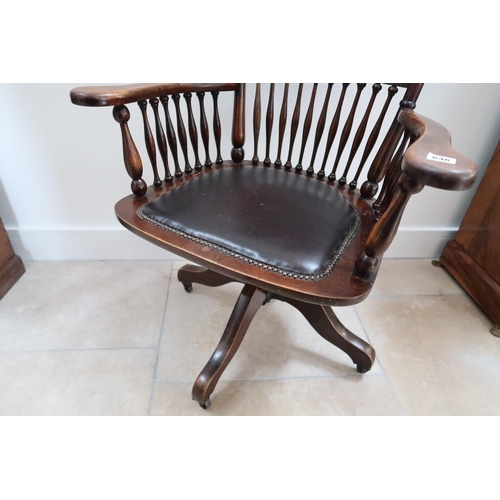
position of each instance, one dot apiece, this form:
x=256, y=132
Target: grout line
x=270, y=379
x=381, y=367
x=158, y=347
x=153, y=387
x=78, y=350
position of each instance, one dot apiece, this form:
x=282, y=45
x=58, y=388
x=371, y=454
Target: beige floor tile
x=177, y=264
x=74, y=305
x=94, y=382
x=302, y=396
x=414, y=277
x=280, y=343
x=437, y=353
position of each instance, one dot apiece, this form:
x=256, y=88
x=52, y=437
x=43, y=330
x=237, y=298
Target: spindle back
x=332, y=131
x=172, y=140
x=344, y=133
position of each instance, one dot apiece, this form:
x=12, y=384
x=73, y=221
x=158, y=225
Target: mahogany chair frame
x=415, y=152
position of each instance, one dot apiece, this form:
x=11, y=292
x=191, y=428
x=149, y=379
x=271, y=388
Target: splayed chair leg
x=190, y=274
x=326, y=323
x=249, y=302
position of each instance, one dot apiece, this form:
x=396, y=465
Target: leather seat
x=288, y=223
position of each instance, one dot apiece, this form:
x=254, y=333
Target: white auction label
x=443, y=159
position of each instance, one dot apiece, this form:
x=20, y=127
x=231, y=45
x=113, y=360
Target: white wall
x=61, y=171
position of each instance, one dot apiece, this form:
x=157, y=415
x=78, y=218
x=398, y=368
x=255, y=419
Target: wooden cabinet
x=11, y=266
x=473, y=257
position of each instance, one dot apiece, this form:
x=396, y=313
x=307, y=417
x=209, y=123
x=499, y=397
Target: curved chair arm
x=431, y=160
x=115, y=95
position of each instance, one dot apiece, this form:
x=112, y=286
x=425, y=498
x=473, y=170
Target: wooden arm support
x=115, y=95
x=429, y=161
x=449, y=170
x=385, y=229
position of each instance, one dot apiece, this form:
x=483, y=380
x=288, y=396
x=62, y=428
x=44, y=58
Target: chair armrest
x=431, y=160
x=114, y=95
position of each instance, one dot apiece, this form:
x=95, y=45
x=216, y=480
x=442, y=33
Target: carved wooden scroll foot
x=249, y=302
x=326, y=323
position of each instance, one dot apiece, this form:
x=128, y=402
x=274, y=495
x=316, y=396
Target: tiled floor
x=123, y=338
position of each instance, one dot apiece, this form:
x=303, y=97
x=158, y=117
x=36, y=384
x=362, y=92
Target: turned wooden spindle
x=320, y=128
x=256, y=124
x=282, y=125
x=181, y=130
x=217, y=129
x=372, y=139
x=160, y=139
x=360, y=133
x=171, y=137
x=391, y=179
x=333, y=131
x=377, y=170
x=386, y=227
x=269, y=124
x=193, y=131
x=307, y=127
x=294, y=127
x=205, y=135
x=346, y=131
x=380, y=164
x=238, y=130
x=131, y=157
x=150, y=142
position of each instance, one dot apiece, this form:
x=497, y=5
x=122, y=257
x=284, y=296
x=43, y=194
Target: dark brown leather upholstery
x=289, y=223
